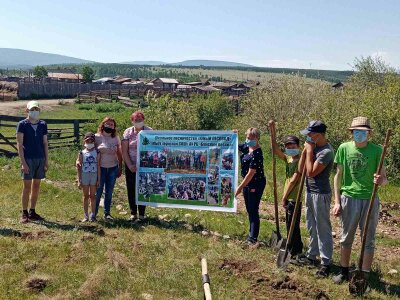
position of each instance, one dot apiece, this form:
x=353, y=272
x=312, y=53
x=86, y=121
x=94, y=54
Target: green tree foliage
x=373, y=91
x=88, y=73
x=40, y=72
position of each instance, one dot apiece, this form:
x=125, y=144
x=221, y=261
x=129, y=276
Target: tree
x=88, y=73
x=40, y=72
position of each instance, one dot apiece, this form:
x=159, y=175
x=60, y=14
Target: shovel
x=358, y=283
x=283, y=255
x=276, y=239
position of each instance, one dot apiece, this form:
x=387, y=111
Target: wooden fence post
x=76, y=131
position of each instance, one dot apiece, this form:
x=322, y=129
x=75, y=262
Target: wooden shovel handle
x=372, y=200
x=271, y=125
x=297, y=206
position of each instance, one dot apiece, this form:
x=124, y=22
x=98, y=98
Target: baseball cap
x=291, y=139
x=314, y=126
x=32, y=104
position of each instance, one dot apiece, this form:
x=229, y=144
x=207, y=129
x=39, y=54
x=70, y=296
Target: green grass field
x=158, y=258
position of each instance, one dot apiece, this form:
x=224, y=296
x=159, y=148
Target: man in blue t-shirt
x=33, y=153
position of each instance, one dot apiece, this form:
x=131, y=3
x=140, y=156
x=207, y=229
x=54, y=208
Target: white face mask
x=89, y=146
x=138, y=124
x=34, y=114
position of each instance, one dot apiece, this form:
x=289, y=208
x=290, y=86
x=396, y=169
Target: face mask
x=138, y=124
x=310, y=140
x=89, y=146
x=251, y=143
x=34, y=114
x=360, y=136
x=108, y=130
x=292, y=152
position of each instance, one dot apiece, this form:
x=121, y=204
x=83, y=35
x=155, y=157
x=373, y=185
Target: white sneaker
x=132, y=217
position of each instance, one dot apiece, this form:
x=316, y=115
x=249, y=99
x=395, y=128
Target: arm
x=277, y=150
x=246, y=180
x=274, y=144
x=313, y=167
x=79, y=168
x=98, y=169
x=381, y=179
x=46, y=152
x=337, y=185
x=20, y=141
x=294, y=180
x=119, y=156
x=125, y=155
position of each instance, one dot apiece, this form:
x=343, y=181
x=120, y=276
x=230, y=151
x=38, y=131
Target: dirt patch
x=37, y=284
x=118, y=259
x=36, y=235
x=285, y=284
x=238, y=267
x=90, y=289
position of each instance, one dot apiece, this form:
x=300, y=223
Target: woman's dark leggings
x=297, y=245
x=252, y=197
x=131, y=188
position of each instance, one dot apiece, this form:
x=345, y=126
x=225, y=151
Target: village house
x=165, y=84
x=204, y=90
x=66, y=77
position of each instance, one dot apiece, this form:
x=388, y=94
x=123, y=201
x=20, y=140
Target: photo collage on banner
x=187, y=169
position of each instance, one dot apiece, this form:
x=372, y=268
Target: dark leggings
x=131, y=188
x=252, y=197
x=296, y=246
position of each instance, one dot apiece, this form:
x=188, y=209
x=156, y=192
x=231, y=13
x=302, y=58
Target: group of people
x=187, y=160
x=150, y=159
x=356, y=165
x=100, y=161
x=98, y=164
x=186, y=188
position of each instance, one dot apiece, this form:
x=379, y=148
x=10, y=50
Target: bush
x=293, y=101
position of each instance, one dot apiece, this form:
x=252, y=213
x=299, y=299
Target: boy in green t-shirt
x=291, y=156
x=357, y=162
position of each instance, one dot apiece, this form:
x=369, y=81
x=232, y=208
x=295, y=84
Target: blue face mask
x=360, y=136
x=251, y=143
x=292, y=152
x=310, y=140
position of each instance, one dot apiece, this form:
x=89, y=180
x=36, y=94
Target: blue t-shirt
x=33, y=138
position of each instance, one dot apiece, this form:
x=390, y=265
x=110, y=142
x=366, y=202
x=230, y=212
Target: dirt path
x=14, y=108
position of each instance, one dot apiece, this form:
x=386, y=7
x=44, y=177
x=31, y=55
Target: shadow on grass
x=10, y=232
x=376, y=283
x=73, y=227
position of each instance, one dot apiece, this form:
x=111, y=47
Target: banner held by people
x=187, y=169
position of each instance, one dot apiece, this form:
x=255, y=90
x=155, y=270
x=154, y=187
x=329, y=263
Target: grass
x=65, y=259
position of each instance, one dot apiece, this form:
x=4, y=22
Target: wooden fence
x=61, y=133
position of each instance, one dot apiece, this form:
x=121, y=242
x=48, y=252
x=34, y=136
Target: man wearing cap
x=357, y=162
x=319, y=156
x=33, y=152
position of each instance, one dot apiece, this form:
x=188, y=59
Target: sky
x=286, y=33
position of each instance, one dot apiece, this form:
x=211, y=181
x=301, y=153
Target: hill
x=18, y=58
x=191, y=63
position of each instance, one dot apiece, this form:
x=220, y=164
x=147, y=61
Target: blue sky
x=292, y=33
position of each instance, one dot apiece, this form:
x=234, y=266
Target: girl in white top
x=89, y=175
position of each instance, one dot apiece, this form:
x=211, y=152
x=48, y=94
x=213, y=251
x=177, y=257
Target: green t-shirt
x=291, y=168
x=359, y=167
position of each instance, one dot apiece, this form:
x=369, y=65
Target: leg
x=130, y=187
x=370, y=239
x=296, y=243
x=109, y=183
x=26, y=191
x=312, y=251
x=34, y=192
x=324, y=228
x=85, y=199
x=99, y=191
x=255, y=195
x=246, y=202
x=350, y=218
x=92, y=197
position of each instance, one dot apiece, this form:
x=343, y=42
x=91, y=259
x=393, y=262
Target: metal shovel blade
x=273, y=241
x=283, y=258
x=357, y=284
